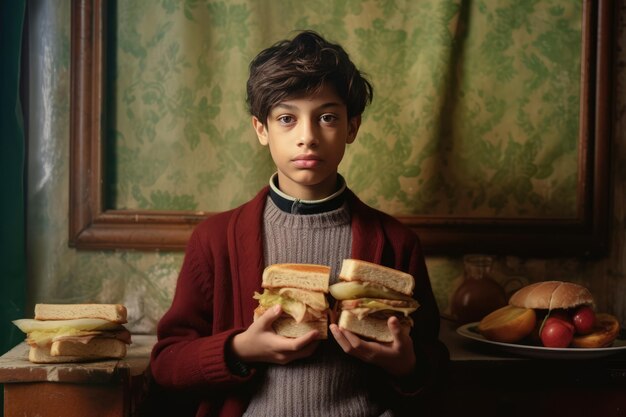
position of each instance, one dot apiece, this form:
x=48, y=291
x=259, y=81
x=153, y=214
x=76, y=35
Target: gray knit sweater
x=328, y=383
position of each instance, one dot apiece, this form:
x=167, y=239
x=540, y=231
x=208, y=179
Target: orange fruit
x=508, y=324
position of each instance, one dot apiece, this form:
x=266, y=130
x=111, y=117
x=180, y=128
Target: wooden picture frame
x=94, y=226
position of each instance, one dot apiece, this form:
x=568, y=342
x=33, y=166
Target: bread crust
x=287, y=326
x=369, y=327
x=41, y=354
x=69, y=352
x=309, y=277
x=358, y=270
x=550, y=295
x=115, y=313
x=95, y=348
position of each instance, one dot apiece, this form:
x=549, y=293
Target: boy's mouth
x=306, y=161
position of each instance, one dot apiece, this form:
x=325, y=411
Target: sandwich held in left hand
x=300, y=291
x=76, y=332
x=369, y=294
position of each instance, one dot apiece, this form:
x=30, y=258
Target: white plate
x=470, y=331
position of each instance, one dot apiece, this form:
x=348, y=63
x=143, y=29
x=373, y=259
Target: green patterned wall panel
x=475, y=112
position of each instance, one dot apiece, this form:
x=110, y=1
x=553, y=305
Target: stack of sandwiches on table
x=76, y=332
x=367, y=296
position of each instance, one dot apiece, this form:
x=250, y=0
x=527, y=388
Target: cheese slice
x=349, y=290
x=366, y=306
x=41, y=332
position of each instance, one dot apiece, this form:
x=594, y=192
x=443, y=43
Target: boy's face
x=307, y=138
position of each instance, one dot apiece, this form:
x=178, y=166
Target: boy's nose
x=308, y=135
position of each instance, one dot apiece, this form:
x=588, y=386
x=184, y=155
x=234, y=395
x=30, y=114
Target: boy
x=306, y=99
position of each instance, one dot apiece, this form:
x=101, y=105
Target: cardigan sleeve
x=403, y=251
x=189, y=354
x=431, y=354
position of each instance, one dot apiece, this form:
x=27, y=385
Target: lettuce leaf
x=295, y=309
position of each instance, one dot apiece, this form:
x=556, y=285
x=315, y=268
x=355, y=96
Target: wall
x=145, y=281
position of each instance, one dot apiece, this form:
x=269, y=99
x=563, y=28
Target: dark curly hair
x=302, y=65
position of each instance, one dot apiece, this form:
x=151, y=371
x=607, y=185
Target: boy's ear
x=261, y=130
x=353, y=128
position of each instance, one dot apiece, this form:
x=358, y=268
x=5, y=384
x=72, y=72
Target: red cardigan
x=213, y=301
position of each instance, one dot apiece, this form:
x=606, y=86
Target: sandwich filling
x=42, y=333
x=363, y=307
x=302, y=305
x=348, y=290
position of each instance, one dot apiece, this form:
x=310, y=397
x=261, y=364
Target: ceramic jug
x=478, y=294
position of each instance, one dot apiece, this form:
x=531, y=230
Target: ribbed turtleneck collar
x=297, y=206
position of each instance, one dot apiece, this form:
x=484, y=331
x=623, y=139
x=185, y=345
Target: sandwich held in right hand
x=551, y=313
x=369, y=294
x=300, y=290
x=76, y=332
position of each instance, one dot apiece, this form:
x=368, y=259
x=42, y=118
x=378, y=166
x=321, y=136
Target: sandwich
x=300, y=289
x=554, y=314
x=62, y=333
x=368, y=294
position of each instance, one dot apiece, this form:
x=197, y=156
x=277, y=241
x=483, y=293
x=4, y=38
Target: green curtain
x=475, y=110
x=12, y=168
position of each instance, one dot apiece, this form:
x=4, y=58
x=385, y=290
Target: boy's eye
x=328, y=118
x=285, y=119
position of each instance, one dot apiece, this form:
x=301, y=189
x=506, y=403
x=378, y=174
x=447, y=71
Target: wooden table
x=104, y=388
x=487, y=382
x=481, y=382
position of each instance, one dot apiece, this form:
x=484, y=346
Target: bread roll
x=549, y=295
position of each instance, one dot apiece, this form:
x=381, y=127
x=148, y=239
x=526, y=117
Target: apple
x=557, y=333
x=584, y=319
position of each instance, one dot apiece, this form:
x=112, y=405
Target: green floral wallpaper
x=423, y=128
x=475, y=112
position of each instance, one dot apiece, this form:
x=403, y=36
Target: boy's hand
x=397, y=357
x=260, y=343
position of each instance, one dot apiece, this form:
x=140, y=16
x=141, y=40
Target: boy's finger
x=270, y=315
x=340, y=338
x=353, y=339
x=396, y=329
x=349, y=340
